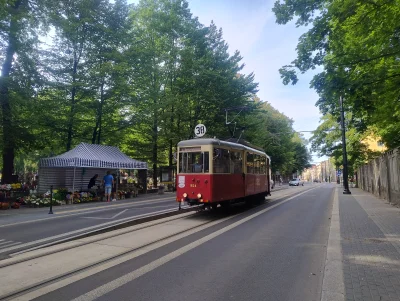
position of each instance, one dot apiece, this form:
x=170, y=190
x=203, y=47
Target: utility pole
x=345, y=171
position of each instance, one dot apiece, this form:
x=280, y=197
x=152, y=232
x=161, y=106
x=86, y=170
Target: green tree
x=20, y=24
x=273, y=131
x=182, y=74
x=357, y=43
x=84, y=68
x=327, y=140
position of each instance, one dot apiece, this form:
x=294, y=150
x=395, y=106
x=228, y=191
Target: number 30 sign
x=200, y=130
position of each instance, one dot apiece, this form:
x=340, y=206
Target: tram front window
x=194, y=162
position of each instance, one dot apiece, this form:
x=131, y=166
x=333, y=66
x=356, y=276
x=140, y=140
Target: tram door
x=268, y=170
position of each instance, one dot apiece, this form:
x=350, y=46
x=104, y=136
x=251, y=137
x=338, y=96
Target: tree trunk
x=7, y=122
x=77, y=55
x=155, y=147
x=73, y=96
x=96, y=137
x=101, y=114
x=170, y=154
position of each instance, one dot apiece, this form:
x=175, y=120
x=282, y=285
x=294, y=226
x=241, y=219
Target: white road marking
x=8, y=243
x=93, y=217
x=63, y=214
x=119, y=213
x=99, y=268
x=64, y=235
x=47, y=239
x=5, y=242
x=110, y=286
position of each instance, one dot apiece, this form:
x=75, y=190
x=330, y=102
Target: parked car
x=296, y=182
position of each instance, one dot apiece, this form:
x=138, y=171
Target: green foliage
x=358, y=44
x=327, y=140
x=273, y=131
x=136, y=76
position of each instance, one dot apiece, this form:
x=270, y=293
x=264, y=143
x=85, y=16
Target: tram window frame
x=256, y=164
x=236, y=162
x=250, y=163
x=221, y=161
x=189, y=161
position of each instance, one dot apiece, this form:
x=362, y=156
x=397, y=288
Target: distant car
x=296, y=182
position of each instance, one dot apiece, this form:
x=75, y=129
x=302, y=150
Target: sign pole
x=345, y=174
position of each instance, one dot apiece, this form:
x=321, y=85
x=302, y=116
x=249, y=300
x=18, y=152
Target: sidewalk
x=370, y=244
x=278, y=187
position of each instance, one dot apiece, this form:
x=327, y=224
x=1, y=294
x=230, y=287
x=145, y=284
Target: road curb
x=333, y=285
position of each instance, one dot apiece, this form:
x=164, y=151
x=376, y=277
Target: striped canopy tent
x=93, y=156
x=75, y=167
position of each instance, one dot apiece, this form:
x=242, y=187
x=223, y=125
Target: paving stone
x=371, y=261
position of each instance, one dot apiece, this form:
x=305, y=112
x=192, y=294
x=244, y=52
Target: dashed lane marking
x=85, y=210
x=8, y=243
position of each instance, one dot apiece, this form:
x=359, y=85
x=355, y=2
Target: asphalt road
x=26, y=229
x=275, y=251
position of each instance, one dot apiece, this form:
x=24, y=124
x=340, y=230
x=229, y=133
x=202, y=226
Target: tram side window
x=250, y=163
x=206, y=162
x=194, y=162
x=257, y=164
x=221, y=160
x=236, y=163
x=263, y=165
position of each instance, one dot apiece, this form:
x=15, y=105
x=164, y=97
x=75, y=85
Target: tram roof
x=214, y=141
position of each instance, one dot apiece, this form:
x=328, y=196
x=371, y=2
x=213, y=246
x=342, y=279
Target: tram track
x=104, y=263
x=140, y=250
x=126, y=223
x=117, y=226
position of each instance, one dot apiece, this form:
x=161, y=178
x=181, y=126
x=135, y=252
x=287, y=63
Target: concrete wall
x=381, y=176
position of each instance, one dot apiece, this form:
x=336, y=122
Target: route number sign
x=200, y=130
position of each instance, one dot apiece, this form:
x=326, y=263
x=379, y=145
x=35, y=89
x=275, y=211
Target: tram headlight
x=184, y=195
x=199, y=195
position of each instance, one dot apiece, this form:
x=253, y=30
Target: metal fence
x=381, y=176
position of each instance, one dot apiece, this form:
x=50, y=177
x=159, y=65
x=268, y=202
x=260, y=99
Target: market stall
x=73, y=169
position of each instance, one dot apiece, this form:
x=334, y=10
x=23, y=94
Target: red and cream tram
x=212, y=172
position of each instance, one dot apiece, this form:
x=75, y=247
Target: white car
x=296, y=182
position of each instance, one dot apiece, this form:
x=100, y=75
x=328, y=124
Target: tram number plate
x=193, y=185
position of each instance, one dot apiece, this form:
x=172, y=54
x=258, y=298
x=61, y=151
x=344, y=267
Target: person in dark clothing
x=92, y=181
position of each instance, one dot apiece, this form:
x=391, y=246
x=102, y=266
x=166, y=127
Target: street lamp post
x=345, y=171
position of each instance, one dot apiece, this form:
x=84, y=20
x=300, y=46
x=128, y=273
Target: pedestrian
x=114, y=190
x=92, y=181
x=108, y=182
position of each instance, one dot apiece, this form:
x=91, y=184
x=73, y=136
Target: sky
x=249, y=26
